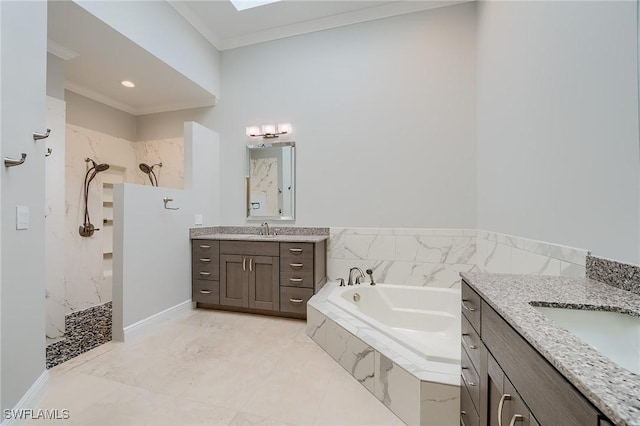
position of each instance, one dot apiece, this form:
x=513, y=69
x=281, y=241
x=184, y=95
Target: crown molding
x=103, y=99
x=61, y=51
x=192, y=18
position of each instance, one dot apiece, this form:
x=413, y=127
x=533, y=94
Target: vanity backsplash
x=621, y=275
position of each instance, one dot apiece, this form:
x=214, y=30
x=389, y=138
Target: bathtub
x=424, y=320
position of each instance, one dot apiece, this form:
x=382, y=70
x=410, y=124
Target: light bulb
x=268, y=129
x=284, y=128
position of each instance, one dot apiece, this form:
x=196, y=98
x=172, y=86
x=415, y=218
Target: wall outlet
x=22, y=217
x=198, y=219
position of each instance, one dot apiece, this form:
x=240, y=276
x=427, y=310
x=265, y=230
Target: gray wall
x=383, y=115
x=23, y=111
x=171, y=124
x=55, y=77
x=90, y=114
x=558, y=124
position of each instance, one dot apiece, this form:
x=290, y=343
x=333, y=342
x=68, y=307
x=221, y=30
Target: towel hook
x=167, y=200
x=37, y=136
x=10, y=162
x=49, y=151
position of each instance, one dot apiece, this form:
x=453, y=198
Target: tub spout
x=357, y=281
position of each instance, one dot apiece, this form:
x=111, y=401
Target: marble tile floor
x=212, y=368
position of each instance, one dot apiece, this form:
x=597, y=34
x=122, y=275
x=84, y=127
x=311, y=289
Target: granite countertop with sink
x=614, y=390
x=252, y=233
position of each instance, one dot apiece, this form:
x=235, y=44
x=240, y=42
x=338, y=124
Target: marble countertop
x=255, y=237
x=614, y=390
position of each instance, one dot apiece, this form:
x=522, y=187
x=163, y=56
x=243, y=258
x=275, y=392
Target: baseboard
x=29, y=401
x=134, y=330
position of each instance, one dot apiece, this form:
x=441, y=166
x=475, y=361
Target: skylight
x=248, y=4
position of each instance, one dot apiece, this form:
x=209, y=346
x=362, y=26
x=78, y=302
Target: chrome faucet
x=265, y=229
x=359, y=271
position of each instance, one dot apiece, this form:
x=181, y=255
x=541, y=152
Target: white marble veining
x=404, y=381
x=55, y=220
x=424, y=257
x=500, y=253
x=264, y=186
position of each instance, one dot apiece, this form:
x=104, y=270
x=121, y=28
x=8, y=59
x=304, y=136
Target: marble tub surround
x=416, y=390
x=609, y=387
x=85, y=330
x=624, y=276
x=423, y=257
x=508, y=254
x=255, y=230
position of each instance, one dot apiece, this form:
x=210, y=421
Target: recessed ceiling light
x=248, y=4
x=127, y=83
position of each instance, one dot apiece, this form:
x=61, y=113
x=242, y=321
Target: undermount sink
x=613, y=334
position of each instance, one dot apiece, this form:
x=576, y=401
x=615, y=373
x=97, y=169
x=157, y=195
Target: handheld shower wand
x=148, y=170
x=87, y=229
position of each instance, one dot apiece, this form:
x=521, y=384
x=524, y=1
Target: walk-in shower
x=148, y=170
x=87, y=229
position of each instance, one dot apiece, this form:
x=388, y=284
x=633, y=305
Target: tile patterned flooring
x=212, y=368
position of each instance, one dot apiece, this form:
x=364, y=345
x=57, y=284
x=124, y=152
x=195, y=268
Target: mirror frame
x=250, y=218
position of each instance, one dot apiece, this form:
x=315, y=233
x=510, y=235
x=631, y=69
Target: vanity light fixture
x=268, y=131
x=127, y=83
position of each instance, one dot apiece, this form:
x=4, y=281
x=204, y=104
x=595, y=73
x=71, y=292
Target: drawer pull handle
x=463, y=413
x=470, y=346
x=296, y=265
x=205, y=291
x=503, y=398
x=295, y=250
x=295, y=280
x=515, y=418
x=470, y=383
x=468, y=308
x=296, y=301
x=251, y=264
x=206, y=274
x=205, y=260
x=205, y=247
x=244, y=264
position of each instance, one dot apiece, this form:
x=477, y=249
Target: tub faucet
x=359, y=271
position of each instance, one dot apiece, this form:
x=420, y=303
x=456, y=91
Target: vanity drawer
x=206, y=291
x=250, y=248
x=297, y=251
x=470, y=377
x=471, y=306
x=205, y=248
x=296, y=280
x=468, y=413
x=471, y=342
x=294, y=300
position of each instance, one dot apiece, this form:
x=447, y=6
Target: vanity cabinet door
x=234, y=280
x=264, y=282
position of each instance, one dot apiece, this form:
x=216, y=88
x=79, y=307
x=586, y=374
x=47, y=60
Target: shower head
x=101, y=167
x=145, y=168
x=148, y=170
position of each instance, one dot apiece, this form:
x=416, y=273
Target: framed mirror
x=270, y=181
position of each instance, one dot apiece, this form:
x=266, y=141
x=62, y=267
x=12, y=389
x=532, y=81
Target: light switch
x=22, y=217
x=198, y=220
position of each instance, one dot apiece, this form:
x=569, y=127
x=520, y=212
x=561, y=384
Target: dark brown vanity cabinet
x=506, y=382
x=249, y=275
x=266, y=277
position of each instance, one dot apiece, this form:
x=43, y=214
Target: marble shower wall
x=424, y=257
x=55, y=220
x=264, y=186
x=86, y=284
x=514, y=255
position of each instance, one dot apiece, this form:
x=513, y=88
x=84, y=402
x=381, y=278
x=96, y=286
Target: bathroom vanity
x=520, y=368
x=273, y=275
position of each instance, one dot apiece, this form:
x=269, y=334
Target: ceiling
x=98, y=58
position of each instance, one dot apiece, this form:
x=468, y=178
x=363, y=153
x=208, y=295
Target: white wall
x=162, y=31
x=90, y=114
x=383, y=116
x=558, y=124
x=152, y=255
x=23, y=28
